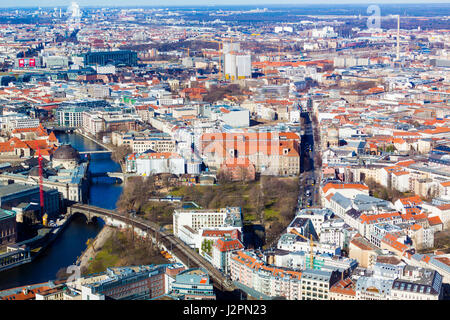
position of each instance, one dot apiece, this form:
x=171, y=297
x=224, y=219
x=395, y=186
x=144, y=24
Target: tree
x=207, y=246
x=119, y=153
x=90, y=243
x=390, y=148
x=224, y=176
x=136, y=192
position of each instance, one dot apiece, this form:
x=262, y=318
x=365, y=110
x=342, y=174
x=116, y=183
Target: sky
x=110, y=3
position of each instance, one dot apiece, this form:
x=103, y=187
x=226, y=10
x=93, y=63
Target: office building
x=193, y=284
x=116, y=58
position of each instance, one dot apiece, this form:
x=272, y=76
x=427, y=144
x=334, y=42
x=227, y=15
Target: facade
x=417, y=284
x=103, y=58
x=316, y=284
x=146, y=164
x=363, y=251
x=370, y=288
x=70, y=183
x=292, y=242
x=95, y=121
x=8, y=227
x=317, y=217
x=237, y=66
x=331, y=231
x=128, y=283
x=270, y=153
x=193, y=284
x=186, y=223
x=25, y=122
x=252, y=274
x=70, y=113
x=142, y=142
x=300, y=260
x=236, y=170
x=222, y=251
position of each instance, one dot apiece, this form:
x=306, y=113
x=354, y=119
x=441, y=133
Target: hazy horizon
x=205, y=3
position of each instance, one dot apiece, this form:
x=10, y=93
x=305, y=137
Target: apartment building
x=222, y=250
x=317, y=216
x=140, y=142
x=292, y=242
x=270, y=153
x=130, y=283
x=370, y=288
x=186, y=223
x=417, y=283
x=147, y=164
x=253, y=275
x=316, y=284
x=192, y=284
x=343, y=290
x=95, y=121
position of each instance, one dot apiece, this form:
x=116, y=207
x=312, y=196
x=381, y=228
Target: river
x=72, y=241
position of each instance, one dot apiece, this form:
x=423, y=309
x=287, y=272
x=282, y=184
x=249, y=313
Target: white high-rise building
x=229, y=47
x=244, y=66
x=238, y=66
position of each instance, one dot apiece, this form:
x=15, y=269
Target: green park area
x=124, y=249
x=268, y=200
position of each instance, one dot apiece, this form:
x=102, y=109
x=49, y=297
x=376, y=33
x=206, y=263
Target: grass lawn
x=276, y=196
x=121, y=249
x=102, y=260
x=271, y=214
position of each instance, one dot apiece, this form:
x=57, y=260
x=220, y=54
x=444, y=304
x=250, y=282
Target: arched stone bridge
x=178, y=249
x=118, y=175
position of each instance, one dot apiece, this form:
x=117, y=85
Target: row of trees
x=217, y=93
x=136, y=192
x=389, y=194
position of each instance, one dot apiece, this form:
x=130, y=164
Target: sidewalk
x=91, y=252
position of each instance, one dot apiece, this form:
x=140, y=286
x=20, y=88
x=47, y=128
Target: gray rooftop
x=13, y=188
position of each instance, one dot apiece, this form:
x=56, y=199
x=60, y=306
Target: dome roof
x=66, y=152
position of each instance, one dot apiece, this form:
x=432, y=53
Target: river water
x=65, y=250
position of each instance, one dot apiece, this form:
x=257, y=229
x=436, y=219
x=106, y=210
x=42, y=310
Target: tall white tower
x=75, y=14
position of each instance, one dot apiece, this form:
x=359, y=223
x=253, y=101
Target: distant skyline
x=167, y=3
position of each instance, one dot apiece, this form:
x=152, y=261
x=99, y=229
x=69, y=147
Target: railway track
x=176, y=246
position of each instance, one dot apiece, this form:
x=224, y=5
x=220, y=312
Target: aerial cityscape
x=236, y=152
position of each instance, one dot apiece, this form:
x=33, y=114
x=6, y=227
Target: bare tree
x=119, y=153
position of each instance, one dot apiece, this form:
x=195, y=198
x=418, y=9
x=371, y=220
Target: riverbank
x=91, y=251
x=35, y=245
x=81, y=133
x=71, y=242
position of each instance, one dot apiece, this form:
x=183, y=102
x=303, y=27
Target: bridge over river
x=178, y=249
x=95, y=151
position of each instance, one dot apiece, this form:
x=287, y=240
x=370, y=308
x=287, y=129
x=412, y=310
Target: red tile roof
x=433, y=221
x=333, y=185
x=228, y=244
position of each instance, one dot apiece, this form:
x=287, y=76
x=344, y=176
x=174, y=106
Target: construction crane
x=311, y=246
x=187, y=49
x=220, y=56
